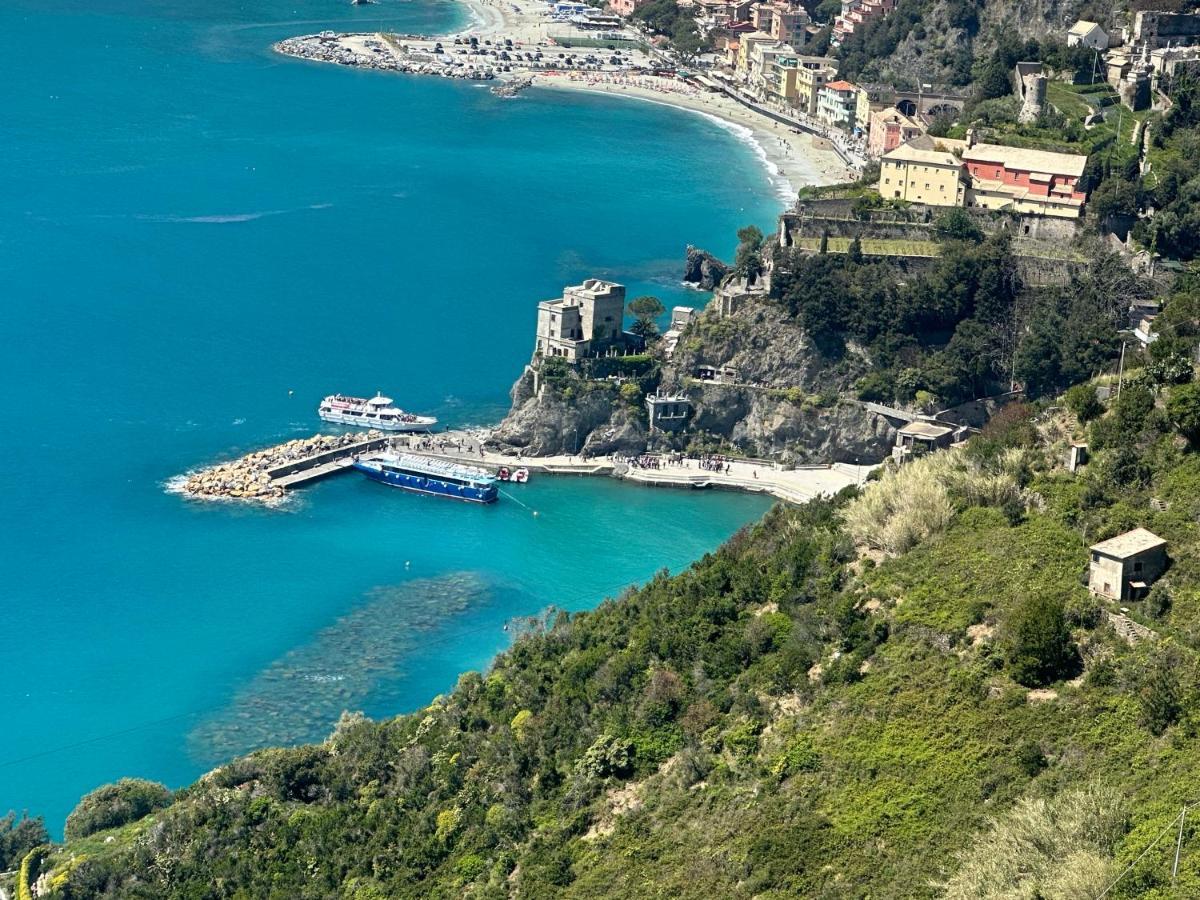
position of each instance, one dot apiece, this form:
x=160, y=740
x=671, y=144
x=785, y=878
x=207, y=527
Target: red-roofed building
x=837, y=103
x=889, y=129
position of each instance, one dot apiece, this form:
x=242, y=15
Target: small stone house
x=917, y=438
x=1124, y=567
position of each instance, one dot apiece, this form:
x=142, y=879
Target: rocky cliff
x=569, y=414
x=776, y=395
x=703, y=269
x=939, y=40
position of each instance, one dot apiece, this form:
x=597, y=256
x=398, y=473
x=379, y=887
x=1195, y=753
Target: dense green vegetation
x=1172, y=184
x=796, y=715
x=961, y=326
x=19, y=835
x=114, y=805
x=907, y=691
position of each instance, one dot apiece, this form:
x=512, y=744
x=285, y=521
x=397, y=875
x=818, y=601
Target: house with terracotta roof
x=837, y=103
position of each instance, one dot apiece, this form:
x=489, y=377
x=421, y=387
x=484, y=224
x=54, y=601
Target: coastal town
x=908, y=159
x=756, y=64
x=918, y=615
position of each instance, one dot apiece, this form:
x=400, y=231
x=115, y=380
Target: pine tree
x=1159, y=695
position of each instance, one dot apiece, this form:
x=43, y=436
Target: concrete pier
x=797, y=485
x=264, y=476
x=320, y=465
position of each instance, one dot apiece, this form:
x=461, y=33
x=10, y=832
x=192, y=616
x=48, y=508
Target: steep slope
x=792, y=716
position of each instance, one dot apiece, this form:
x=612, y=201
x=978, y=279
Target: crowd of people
x=709, y=462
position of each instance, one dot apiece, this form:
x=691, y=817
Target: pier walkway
x=796, y=485
x=319, y=465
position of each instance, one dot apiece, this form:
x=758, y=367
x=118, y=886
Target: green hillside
x=907, y=694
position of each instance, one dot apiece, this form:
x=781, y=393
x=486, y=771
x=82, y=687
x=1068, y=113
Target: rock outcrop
x=703, y=269
x=570, y=416
x=777, y=396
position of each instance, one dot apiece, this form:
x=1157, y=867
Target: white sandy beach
x=789, y=155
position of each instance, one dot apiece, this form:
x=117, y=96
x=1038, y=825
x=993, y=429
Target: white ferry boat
x=376, y=412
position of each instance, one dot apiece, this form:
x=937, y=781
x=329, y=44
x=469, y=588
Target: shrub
x=798, y=756
x=607, y=756
x=957, y=225
x=18, y=837
x=1183, y=411
x=447, y=822
x=114, y=805
x=1040, y=648
x=1158, y=601
x=906, y=507
x=1081, y=401
x=1060, y=847
x=1158, y=695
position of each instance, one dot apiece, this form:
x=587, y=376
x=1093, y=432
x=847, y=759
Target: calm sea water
x=197, y=241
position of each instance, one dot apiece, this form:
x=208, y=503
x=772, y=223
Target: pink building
x=889, y=129
x=626, y=8
x=1022, y=180
x=855, y=13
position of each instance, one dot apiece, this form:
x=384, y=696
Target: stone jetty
x=252, y=477
x=392, y=53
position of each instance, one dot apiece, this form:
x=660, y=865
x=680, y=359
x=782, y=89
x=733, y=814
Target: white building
x=1087, y=34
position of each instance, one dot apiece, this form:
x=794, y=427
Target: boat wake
x=229, y=218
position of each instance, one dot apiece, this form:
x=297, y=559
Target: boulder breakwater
x=265, y=475
x=412, y=54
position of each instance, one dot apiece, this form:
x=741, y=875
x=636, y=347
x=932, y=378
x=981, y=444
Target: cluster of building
x=1153, y=50
x=943, y=172
x=855, y=14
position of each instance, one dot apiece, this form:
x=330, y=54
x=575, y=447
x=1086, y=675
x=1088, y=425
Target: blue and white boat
x=424, y=475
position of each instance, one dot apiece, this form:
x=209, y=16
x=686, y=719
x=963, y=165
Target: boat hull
x=338, y=418
x=424, y=484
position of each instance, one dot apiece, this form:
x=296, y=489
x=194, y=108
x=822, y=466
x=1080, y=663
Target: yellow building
x=931, y=175
x=746, y=55
x=862, y=110
x=781, y=80
x=809, y=81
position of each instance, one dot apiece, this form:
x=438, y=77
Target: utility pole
x=1178, y=845
x=1121, y=370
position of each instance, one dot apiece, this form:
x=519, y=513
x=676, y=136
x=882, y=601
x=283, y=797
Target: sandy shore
x=789, y=156
x=793, y=158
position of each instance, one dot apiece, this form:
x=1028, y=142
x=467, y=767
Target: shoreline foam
x=789, y=156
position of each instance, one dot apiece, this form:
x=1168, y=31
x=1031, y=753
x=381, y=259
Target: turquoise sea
x=198, y=240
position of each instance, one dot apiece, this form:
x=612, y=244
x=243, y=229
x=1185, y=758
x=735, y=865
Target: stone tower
x=1033, y=97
